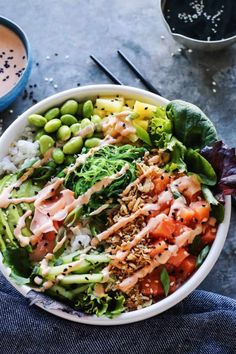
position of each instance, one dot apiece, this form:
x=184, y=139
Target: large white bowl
x=83, y=93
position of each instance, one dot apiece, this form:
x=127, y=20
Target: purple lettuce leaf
x=223, y=160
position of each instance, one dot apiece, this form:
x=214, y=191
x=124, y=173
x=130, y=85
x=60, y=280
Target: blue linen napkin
x=204, y=323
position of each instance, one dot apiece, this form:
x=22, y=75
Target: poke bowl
x=110, y=209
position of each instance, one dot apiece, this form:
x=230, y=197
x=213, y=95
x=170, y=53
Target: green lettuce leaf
x=17, y=259
x=196, y=163
x=190, y=125
x=177, y=153
x=110, y=304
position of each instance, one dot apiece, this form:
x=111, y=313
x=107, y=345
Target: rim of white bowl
x=191, y=284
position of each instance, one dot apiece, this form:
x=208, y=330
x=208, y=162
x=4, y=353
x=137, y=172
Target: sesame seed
x=48, y=57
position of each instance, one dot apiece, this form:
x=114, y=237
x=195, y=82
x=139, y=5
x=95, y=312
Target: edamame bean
x=97, y=121
x=45, y=143
x=52, y=113
x=37, y=120
x=64, y=133
x=52, y=126
x=92, y=142
x=68, y=119
x=85, y=123
x=58, y=156
x=69, y=107
x=88, y=109
x=73, y=146
x=80, y=109
x=75, y=128
x=39, y=133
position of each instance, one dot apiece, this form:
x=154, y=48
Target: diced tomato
x=179, y=257
x=185, y=215
x=151, y=284
x=164, y=230
x=187, y=267
x=161, y=183
x=201, y=210
x=208, y=238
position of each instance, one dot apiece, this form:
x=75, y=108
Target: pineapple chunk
x=111, y=105
x=130, y=103
x=144, y=110
x=142, y=123
x=125, y=108
x=99, y=112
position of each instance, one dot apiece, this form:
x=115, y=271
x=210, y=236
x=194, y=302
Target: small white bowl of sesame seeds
x=196, y=28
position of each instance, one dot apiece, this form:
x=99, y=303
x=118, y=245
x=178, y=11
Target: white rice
x=80, y=240
x=19, y=152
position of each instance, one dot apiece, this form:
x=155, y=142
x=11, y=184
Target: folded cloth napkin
x=204, y=323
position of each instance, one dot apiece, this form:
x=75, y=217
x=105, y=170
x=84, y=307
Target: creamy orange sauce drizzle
x=187, y=237
x=23, y=240
x=5, y=196
x=117, y=125
x=85, y=198
x=13, y=59
x=123, y=222
x=148, y=172
x=151, y=225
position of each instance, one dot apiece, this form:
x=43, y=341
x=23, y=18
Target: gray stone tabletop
x=64, y=33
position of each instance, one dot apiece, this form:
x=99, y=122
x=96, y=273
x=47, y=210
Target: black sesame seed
x=162, y=177
x=123, y=125
x=102, y=109
x=86, y=278
x=37, y=64
x=146, y=108
x=181, y=219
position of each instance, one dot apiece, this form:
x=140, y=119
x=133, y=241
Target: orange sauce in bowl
x=13, y=59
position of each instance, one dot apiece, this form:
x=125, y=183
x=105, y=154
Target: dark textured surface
x=77, y=28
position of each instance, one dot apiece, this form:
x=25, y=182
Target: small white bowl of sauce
x=15, y=61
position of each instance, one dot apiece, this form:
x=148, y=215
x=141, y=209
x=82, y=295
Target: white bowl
x=83, y=93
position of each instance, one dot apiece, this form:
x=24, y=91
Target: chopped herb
x=202, y=256
x=165, y=280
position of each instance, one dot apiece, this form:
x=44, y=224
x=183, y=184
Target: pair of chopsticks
x=116, y=81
